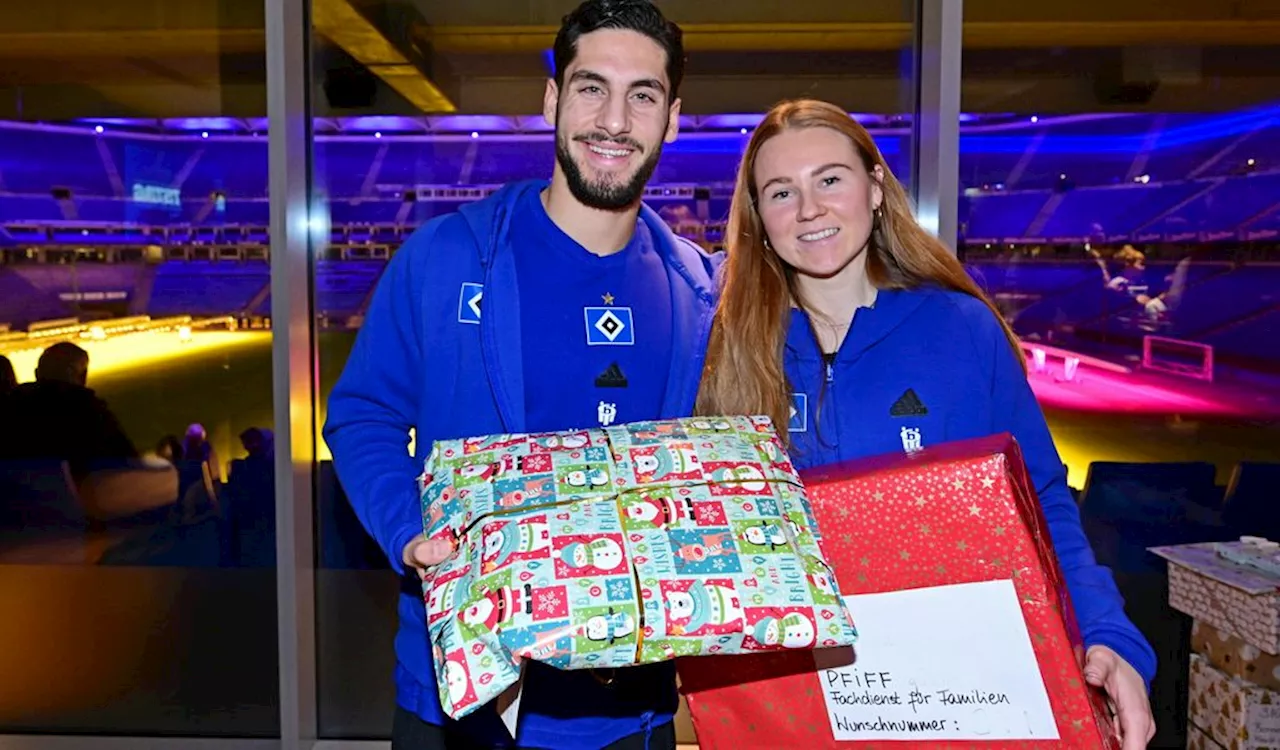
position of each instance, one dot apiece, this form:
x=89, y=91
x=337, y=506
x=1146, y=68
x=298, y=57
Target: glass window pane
x=1120, y=172
x=423, y=108
x=136, y=499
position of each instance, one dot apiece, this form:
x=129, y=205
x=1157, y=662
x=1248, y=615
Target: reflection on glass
x=393, y=152
x=1127, y=229
x=136, y=501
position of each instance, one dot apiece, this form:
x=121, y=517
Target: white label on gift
x=941, y=663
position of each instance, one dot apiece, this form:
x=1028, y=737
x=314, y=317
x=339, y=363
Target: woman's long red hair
x=744, y=367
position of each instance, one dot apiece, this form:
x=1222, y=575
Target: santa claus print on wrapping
x=498, y=601
x=505, y=541
x=656, y=508
x=457, y=678
x=701, y=608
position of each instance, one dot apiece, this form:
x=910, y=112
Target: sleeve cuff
x=399, y=540
x=1133, y=650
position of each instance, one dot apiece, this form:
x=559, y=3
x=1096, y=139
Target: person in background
x=60, y=417
x=547, y=306
x=8, y=378
x=833, y=291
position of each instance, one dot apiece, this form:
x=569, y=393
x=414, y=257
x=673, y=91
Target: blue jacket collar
x=693, y=299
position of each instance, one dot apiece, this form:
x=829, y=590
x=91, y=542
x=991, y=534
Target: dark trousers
x=409, y=732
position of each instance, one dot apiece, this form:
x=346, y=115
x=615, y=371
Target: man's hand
x=422, y=553
x=1128, y=694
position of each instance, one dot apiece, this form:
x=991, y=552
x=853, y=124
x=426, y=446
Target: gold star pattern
x=905, y=555
x=962, y=546
x=941, y=570
x=974, y=510
x=865, y=561
x=988, y=483
x=607, y=297
x=999, y=530
x=920, y=501
x=878, y=496
x=925, y=529
x=958, y=484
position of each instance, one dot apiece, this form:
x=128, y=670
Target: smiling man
x=548, y=306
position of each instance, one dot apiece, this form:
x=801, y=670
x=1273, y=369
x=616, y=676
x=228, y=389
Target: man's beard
x=602, y=194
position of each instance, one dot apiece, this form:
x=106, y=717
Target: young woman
x=838, y=304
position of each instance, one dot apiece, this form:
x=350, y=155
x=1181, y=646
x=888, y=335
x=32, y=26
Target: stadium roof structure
x=166, y=59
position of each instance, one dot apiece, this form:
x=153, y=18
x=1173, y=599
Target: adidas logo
x=908, y=405
x=611, y=378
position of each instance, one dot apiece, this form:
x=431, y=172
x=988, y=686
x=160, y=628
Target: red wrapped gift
x=967, y=635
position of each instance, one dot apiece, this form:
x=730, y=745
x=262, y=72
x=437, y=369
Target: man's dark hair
x=640, y=16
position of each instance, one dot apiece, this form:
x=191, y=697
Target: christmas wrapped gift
x=1229, y=585
x=1234, y=656
x=968, y=638
x=620, y=546
x=1232, y=712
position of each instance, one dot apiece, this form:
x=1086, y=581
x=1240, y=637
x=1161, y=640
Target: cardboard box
x=1234, y=656
x=1239, y=600
x=1235, y=714
x=917, y=536
x=608, y=548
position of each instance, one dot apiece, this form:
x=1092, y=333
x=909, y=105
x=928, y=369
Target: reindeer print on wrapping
x=613, y=547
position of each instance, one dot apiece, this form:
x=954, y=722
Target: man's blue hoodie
x=927, y=366
x=440, y=354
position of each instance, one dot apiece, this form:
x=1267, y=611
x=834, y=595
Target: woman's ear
x=877, y=187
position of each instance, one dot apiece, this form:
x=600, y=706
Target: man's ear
x=673, y=122
x=550, y=102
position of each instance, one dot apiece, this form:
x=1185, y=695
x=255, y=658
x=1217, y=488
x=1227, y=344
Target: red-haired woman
x=838, y=304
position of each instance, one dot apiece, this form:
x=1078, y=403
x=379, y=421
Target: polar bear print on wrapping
x=674, y=462
x=702, y=607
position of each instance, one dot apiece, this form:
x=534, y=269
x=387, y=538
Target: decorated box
x=1198, y=740
x=967, y=636
x=1238, y=599
x=619, y=546
x=1234, y=656
x=1234, y=713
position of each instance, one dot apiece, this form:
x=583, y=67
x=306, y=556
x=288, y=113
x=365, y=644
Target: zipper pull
x=830, y=363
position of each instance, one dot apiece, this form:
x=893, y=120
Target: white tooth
x=812, y=236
